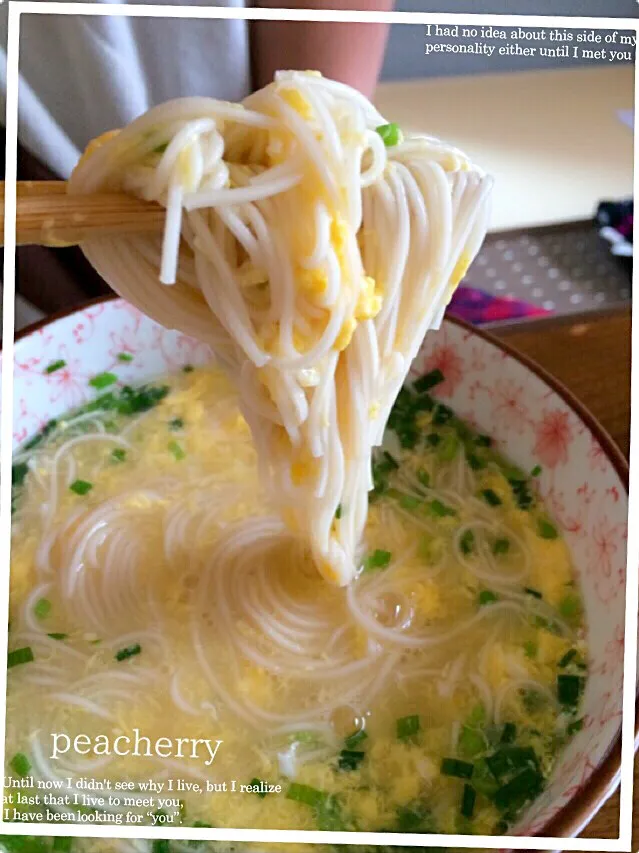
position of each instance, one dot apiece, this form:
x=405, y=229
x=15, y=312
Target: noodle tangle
x=312, y=256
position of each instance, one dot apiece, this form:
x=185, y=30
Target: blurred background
x=555, y=132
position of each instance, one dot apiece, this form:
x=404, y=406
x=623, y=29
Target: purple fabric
x=625, y=227
x=477, y=307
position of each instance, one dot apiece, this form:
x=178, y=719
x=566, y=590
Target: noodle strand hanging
x=312, y=247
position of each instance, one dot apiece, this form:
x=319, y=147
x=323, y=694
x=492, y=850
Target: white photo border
x=17, y=8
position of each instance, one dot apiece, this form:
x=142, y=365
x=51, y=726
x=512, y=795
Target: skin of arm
x=348, y=52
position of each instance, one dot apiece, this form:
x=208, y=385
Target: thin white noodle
x=353, y=243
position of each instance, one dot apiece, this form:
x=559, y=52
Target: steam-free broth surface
x=432, y=695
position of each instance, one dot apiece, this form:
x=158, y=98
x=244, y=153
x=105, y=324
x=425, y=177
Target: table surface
x=590, y=355
x=551, y=139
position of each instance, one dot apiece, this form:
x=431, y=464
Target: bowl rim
x=605, y=778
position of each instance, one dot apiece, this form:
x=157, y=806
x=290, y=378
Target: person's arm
x=350, y=53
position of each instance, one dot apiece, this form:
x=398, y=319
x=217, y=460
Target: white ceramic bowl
x=534, y=421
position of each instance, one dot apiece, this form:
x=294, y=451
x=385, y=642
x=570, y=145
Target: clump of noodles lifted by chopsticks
x=312, y=246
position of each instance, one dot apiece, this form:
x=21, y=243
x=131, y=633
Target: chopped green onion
x=55, y=365
x=475, y=463
x=569, y=606
x=390, y=133
x=390, y=461
x=408, y=727
x=574, y=727
x=176, y=423
x=463, y=431
x=471, y=742
x=530, y=649
x=467, y=542
x=350, y=759
x=483, y=441
x=382, y=468
x=18, y=656
x=439, y=509
x=338, y=512
x=547, y=624
x=487, y=597
x=409, y=502
x=501, y=546
x=569, y=688
x=305, y=794
x=403, y=416
x=526, y=786
x=42, y=608
x=408, y=435
x=258, y=783
x=491, y=497
x=455, y=767
x=160, y=149
x=424, y=478
x=477, y=716
x=508, y=733
x=414, y=817
x=103, y=380
x=468, y=801
x=536, y=471
x=521, y=492
x=104, y=403
x=433, y=439
x=81, y=487
x=380, y=480
x=302, y=737
x=20, y=763
x=447, y=449
x=534, y=592
x=428, y=381
x=56, y=635
x=378, y=560
x=533, y=700
x=510, y=759
x=18, y=473
x=483, y=779
x=423, y=403
x=40, y=436
x=355, y=739
x=125, y=356
x=395, y=494
x=328, y=815
x=511, y=472
x=128, y=652
x=188, y=368
x=130, y=400
x=118, y=454
x=546, y=530
x=442, y=414
x=569, y=656
x=176, y=450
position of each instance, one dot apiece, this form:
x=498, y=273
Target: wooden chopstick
x=47, y=216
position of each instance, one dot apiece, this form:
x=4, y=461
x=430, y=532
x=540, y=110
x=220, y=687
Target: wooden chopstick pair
x=47, y=216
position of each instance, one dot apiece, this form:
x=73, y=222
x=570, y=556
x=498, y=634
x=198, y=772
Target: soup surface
x=162, y=612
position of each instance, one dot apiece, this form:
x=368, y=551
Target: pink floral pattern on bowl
x=532, y=423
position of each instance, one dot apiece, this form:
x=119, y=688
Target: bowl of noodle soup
x=580, y=480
